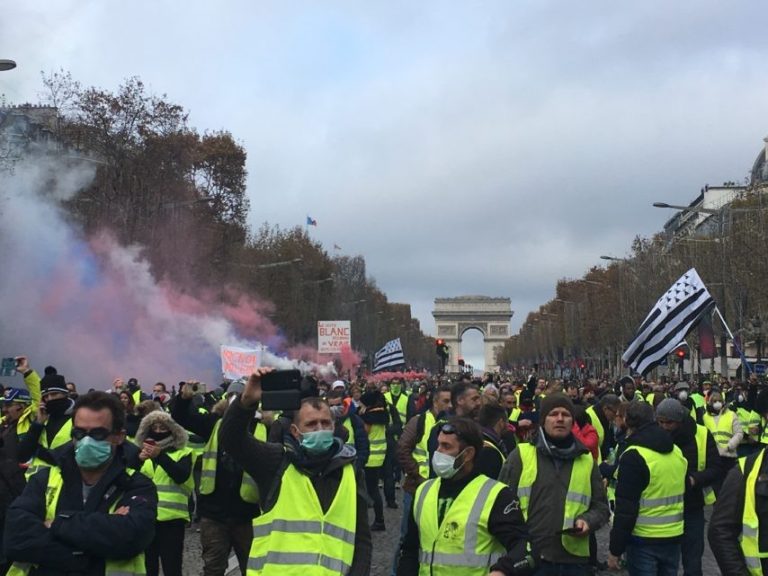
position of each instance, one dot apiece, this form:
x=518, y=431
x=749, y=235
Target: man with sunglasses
x=462, y=522
x=89, y=514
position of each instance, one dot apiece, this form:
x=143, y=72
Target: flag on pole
x=390, y=355
x=706, y=337
x=669, y=322
x=311, y=221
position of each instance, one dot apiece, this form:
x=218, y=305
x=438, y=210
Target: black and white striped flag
x=669, y=322
x=389, y=356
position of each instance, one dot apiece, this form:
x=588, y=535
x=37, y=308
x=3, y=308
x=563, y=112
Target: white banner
x=239, y=362
x=333, y=336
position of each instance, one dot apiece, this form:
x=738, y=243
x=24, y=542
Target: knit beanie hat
x=670, y=409
x=53, y=383
x=552, y=401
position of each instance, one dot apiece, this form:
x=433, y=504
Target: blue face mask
x=91, y=454
x=317, y=442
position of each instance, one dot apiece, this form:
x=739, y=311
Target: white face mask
x=740, y=398
x=444, y=464
x=717, y=406
x=683, y=395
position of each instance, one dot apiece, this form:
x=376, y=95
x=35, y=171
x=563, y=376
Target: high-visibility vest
x=698, y=400
x=421, y=451
x=136, y=395
x=401, y=405
x=249, y=490
x=297, y=537
x=351, y=429
x=577, y=500
x=661, y=502
x=764, y=432
x=598, y=426
x=131, y=567
x=461, y=544
x=172, y=498
x=514, y=414
x=377, y=438
x=701, y=460
x=723, y=429
x=750, y=542
x=61, y=437
x=747, y=418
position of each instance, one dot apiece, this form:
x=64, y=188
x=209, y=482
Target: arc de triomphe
x=490, y=316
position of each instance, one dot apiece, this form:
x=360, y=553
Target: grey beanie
x=670, y=409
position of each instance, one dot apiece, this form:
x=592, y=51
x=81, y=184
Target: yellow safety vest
x=661, y=502
x=723, y=430
x=401, y=406
x=351, y=429
x=577, y=500
x=514, y=414
x=249, y=490
x=421, y=452
x=172, y=498
x=297, y=537
x=764, y=432
x=61, y=437
x=377, y=438
x=136, y=397
x=461, y=544
x=701, y=460
x=748, y=418
x=750, y=543
x=598, y=426
x=131, y=567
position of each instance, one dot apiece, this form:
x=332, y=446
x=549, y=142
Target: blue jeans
x=554, y=569
x=692, y=545
x=653, y=559
x=407, y=500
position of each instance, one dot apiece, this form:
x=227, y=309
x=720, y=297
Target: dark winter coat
x=685, y=439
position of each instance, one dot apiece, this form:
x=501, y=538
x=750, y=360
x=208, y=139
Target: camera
x=197, y=387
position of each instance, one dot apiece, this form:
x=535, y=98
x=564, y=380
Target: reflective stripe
x=650, y=520
x=473, y=522
x=420, y=501
x=464, y=559
x=653, y=502
x=175, y=489
x=174, y=506
x=583, y=499
x=419, y=452
x=209, y=454
x=524, y=491
x=298, y=559
x=377, y=442
x=302, y=527
x=753, y=563
x=747, y=530
x=208, y=474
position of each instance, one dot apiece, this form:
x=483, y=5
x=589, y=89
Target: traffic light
x=680, y=354
x=439, y=343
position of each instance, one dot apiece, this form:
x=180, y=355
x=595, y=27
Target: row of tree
x=591, y=319
x=182, y=196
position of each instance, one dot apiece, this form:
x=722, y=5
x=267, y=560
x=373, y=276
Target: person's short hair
x=312, y=401
x=609, y=401
x=490, y=414
x=98, y=400
x=639, y=413
x=161, y=384
x=437, y=390
x=468, y=432
x=458, y=390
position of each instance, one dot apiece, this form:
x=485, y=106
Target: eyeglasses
x=95, y=433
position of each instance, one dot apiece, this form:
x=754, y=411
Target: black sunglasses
x=451, y=429
x=95, y=433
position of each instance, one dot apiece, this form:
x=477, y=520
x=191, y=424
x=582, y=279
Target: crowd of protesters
x=497, y=475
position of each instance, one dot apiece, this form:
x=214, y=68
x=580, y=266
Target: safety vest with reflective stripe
x=698, y=400
x=136, y=397
x=249, y=490
x=748, y=419
x=61, y=437
x=461, y=544
x=750, y=542
x=351, y=429
x=172, y=498
x=401, y=405
x=764, y=432
x=377, y=438
x=723, y=429
x=421, y=452
x=701, y=460
x=661, y=502
x=297, y=537
x=131, y=567
x=514, y=414
x=577, y=499
x=598, y=426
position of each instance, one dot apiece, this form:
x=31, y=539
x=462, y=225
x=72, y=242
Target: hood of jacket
x=179, y=436
x=652, y=437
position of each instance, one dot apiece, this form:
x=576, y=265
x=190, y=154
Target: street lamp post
x=7, y=65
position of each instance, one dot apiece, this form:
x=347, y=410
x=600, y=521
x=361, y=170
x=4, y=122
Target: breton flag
x=669, y=322
x=390, y=355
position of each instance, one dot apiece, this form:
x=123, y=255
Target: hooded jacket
x=633, y=478
x=266, y=462
x=179, y=470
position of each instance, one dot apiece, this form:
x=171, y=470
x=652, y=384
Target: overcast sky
x=461, y=147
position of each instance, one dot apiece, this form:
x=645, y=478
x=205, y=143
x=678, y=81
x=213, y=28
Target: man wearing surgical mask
x=462, y=521
x=88, y=514
x=682, y=393
x=726, y=428
x=308, y=481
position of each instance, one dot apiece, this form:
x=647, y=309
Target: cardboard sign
x=239, y=362
x=333, y=336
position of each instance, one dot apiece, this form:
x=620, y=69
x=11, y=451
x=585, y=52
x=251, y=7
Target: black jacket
x=633, y=478
x=505, y=523
x=685, y=439
x=492, y=456
x=266, y=462
x=82, y=535
x=726, y=523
